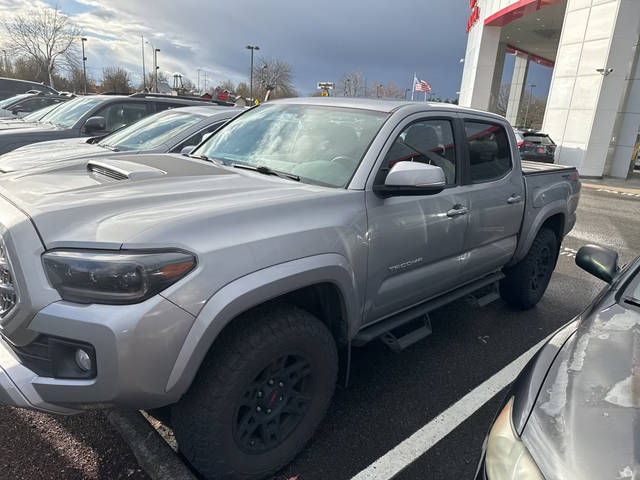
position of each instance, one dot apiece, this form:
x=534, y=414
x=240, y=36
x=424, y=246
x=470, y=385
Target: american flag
x=422, y=86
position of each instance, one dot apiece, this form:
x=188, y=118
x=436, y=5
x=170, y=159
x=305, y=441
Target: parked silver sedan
x=169, y=131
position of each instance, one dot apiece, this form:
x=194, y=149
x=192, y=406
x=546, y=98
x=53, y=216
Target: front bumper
x=136, y=347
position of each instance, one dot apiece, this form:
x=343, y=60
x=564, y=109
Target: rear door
x=415, y=241
x=496, y=197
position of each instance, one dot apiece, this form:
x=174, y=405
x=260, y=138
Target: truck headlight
x=507, y=457
x=114, y=277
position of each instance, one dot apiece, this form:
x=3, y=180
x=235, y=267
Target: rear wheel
x=259, y=394
x=525, y=283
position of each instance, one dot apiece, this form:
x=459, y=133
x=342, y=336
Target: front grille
x=8, y=292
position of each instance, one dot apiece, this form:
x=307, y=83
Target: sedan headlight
x=114, y=277
x=507, y=457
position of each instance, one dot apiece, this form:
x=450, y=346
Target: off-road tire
x=206, y=420
x=525, y=283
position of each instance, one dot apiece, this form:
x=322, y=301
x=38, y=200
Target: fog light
x=83, y=360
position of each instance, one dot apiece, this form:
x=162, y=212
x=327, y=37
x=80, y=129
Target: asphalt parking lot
x=391, y=395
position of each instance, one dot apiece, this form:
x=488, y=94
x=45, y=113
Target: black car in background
x=90, y=116
x=536, y=146
x=574, y=411
x=12, y=86
x=25, y=103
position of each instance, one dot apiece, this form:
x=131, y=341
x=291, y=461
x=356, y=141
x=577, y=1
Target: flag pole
x=413, y=85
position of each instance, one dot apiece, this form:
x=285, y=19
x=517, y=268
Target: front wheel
x=525, y=283
x=258, y=396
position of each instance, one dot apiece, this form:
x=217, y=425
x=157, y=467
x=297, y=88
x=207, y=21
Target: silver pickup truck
x=232, y=284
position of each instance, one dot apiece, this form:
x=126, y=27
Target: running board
x=407, y=334
x=378, y=329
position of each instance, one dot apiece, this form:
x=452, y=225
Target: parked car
x=536, y=146
x=167, y=131
x=91, y=116
x=226, y=283
x=13, y=86
x=23, y=104
x=573, y=411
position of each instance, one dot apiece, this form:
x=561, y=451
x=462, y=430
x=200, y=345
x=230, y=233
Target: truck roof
x=381, y=105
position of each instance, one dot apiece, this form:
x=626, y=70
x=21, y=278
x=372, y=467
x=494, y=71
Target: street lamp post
x=252, y=48
x=84, y=66
x=144, y=74
x=155, y=62
x=526, y=114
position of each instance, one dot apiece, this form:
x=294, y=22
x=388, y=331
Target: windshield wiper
x=267, y=171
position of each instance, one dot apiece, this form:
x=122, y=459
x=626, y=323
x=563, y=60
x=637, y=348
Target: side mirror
x=598, y=261
x=412, y=178
x=17, y=110
x=95, y=124
x=187, y=150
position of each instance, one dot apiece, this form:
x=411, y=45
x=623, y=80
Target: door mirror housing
x=598, y=261
x=17, y=110
x=412, y=178
x=187, y=150
x=95, y=124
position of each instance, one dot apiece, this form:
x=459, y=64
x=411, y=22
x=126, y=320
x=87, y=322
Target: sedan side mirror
x=17, y=110
x=187, y=150
x=598, y=261
x=412, y=178
x=95, y=124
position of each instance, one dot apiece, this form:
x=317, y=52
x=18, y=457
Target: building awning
x=517, y=10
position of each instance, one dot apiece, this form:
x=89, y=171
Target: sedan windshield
x=7, y=102
x=319, y=144
x=151, y=132
x=70, y=112
x=39, y=114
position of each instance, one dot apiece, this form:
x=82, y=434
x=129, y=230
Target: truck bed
x=534, y=168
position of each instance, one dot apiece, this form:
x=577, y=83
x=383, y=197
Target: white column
x=583, y=103
x=520, y=69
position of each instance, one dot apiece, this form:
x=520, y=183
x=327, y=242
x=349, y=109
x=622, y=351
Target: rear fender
x=257, y=288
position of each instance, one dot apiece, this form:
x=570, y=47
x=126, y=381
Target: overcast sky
x=385, y=41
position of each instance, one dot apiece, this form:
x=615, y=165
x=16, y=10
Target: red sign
x=475, y=14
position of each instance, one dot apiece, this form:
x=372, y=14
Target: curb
x=633, y=191
x=154, y=456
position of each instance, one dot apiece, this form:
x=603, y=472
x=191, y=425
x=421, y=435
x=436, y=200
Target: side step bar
x=385, y=328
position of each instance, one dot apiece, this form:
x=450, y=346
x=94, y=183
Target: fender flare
x=541, y=216
x=252, y=290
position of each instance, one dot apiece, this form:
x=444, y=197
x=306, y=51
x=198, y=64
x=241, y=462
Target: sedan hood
x=587, y=417
x=44, y=153
x=25, y=127
x=104, y=202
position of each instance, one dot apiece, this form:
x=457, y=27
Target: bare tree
x=242, y=90
x=46, y=36
x=115, y=79
x=503, y=99
x=351, y=84
x=273, y=75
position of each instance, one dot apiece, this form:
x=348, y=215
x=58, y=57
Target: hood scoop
x=123, y=169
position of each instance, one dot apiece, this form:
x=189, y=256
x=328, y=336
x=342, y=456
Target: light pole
x=6, y=62
x=84, y=66
x=526, y=114
x=144, y=74
x=155, y=61
x=198, y=80
x=252, y=48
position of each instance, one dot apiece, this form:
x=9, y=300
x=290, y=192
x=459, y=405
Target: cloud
x=386, y=41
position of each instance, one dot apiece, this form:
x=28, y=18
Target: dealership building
x=593, y=105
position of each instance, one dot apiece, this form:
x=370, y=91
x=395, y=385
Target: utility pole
x=6, y=62
x=252, y=48
x=199, y=91
x=204, y=74
x=144, y=74
x=526, y=114
x=155, y=62
x=84, y=66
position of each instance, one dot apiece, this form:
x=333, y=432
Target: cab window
x=425, y=141
x=117, y=115
x=489, y=151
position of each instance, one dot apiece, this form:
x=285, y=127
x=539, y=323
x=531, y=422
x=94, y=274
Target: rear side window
x=489, y=151
x=117, y=115
x=196, y=138
x=538, y=139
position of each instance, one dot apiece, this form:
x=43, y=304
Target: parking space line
x=413, y=447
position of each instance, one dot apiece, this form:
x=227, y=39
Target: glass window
x=117, y=115
x=196, y=138
x=320, y=144
x=7, y=102
x=70, y=112
x=31, y=104
x=39, y=114
x=425, y=141
x=151, y=132
x=489, y=151
x=538, y=139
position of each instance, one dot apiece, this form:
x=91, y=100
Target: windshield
x=319, y=144
x=38, y=114
x=538, y=139
x=11, y=100
x=70, y=112
x=151, y=132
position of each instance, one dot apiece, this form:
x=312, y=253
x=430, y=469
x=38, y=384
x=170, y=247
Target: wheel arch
x=553, y=216
x=323, y=285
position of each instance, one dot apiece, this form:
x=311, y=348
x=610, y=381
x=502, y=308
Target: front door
x=415, y=241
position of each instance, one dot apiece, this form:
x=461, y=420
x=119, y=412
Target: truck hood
x=104, y=202
x=45, y=153
x=586, y=419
